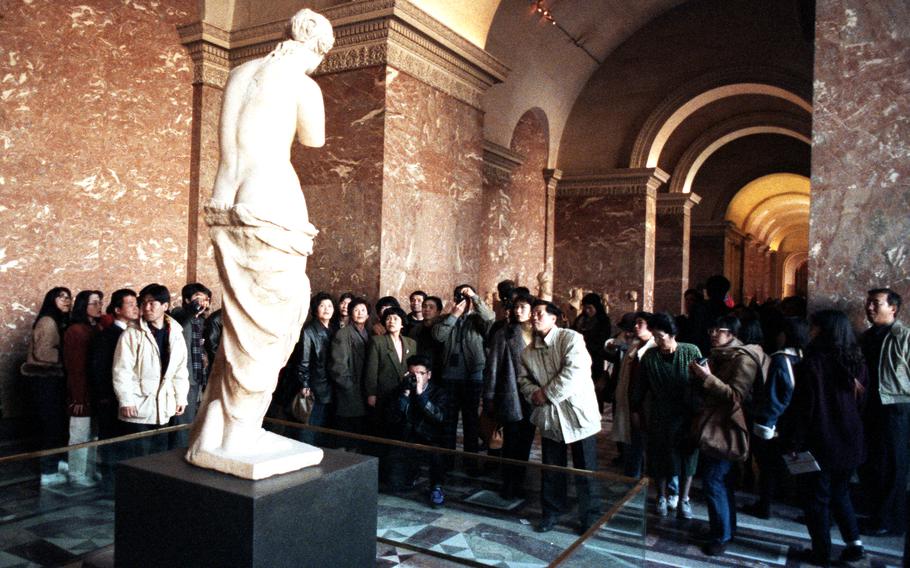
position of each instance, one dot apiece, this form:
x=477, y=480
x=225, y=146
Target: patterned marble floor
x=58, y=526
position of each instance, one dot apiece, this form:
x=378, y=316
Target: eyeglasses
x=718, y=330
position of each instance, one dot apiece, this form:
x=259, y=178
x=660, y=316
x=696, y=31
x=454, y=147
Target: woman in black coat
x=827, y=421
x=501, y=396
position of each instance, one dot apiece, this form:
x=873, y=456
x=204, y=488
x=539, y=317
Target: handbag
x=301, y=407
x=721, y=432
x=490, y=432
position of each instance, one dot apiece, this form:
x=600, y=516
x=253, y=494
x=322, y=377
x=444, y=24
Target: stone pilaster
x=208, y=47
x=605, y=234
x=551, y=178
x=671, y=257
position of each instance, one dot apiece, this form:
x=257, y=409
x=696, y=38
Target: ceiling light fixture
x=546, y=14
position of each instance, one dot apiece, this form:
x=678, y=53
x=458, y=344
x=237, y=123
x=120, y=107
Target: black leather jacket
x=419, y=418
x=312, y=361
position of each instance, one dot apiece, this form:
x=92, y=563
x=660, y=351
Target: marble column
x=605, y=235
x=208, y=46
x=396, y=192
x=860, y=210
x=671, y=255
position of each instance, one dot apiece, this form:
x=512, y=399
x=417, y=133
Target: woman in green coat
x=666, y=377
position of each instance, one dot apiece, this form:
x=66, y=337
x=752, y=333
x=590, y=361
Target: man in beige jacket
x=150, y=374
x=555, y=377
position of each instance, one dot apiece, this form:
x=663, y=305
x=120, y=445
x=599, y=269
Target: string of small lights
x=540, y=7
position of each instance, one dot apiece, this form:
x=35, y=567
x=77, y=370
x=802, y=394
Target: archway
x=770, y=216
x=716, y=137
x=710, y=88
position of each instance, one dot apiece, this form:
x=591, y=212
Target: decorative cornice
x=387, y=32
x=208, y=47
x=712, y=229
x=501, y=157
x=552, y=177
x=676, y=203
x=627, y=181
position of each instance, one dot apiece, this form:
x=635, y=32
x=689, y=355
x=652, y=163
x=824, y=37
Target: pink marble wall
x=602, y=244
x=515, y=212
x=860, y=211
x=96, y=105
x=342, y=182
x=432, y=202
x=396, y=191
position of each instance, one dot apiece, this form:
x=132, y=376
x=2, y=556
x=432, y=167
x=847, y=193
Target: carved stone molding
x=388, y=32
x=712, y=229
x=631, y=181
x=209, y=48
x=499, y=162
x=676, y=203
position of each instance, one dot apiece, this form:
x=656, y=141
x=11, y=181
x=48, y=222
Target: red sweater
x=77, y=341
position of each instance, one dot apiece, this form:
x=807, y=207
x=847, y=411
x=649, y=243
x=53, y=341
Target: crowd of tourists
x=704, y=392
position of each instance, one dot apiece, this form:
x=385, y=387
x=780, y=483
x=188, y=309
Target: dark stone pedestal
x=170, y=513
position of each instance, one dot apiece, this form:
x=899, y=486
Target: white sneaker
x=82, y=481
x=685, y=510
x=63, y=467
x=662, y=506
x=672, y=502
x=48, y=479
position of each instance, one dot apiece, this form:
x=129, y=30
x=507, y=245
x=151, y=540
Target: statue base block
x=288, y=456
x=171, y=513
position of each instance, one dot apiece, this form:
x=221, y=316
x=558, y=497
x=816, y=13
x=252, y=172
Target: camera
x=460, y=297
x=196, y=308
x=410, y=382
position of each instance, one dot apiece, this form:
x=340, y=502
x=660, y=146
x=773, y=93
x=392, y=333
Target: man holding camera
x=418, y=417
x=462, y=334
x=191, y=316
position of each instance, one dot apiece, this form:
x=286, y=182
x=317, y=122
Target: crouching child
x=418, y=417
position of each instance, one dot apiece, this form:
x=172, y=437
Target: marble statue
x=545, y=285
x=258, y=223
x=575, y=297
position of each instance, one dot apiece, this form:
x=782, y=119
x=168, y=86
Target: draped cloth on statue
x=262, y=265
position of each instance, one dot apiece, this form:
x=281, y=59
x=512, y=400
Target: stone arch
x=704, y=90
x=533, y=113
x=791, y=264
x=714, y=138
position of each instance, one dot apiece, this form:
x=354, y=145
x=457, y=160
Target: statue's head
x=312, y=30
